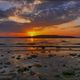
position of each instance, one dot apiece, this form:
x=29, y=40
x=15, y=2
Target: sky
x=44, y=17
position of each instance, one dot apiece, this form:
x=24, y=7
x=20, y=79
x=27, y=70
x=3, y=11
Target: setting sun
x=32, y=33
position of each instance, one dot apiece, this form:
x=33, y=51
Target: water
x=40, y=40
x=36, y=41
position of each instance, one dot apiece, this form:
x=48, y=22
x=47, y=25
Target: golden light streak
x=19, y=19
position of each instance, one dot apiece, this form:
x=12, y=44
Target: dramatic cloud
x=18, y=19
x=38, y=14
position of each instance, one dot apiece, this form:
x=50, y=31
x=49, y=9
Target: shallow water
x=32, y=40
x=7, y=42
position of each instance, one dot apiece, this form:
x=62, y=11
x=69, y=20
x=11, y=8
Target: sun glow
x=32, y=33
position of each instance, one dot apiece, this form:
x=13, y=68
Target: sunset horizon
x=44, y=17
x=39, y=39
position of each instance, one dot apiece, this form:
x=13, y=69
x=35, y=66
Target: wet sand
x=40, y=65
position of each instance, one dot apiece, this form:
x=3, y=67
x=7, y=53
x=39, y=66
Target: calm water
x=36, y=41
x=40, y=40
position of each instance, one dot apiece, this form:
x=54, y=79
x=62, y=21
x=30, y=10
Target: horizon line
x=43, y=36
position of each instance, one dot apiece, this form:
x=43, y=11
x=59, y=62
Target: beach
x=23, y=63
